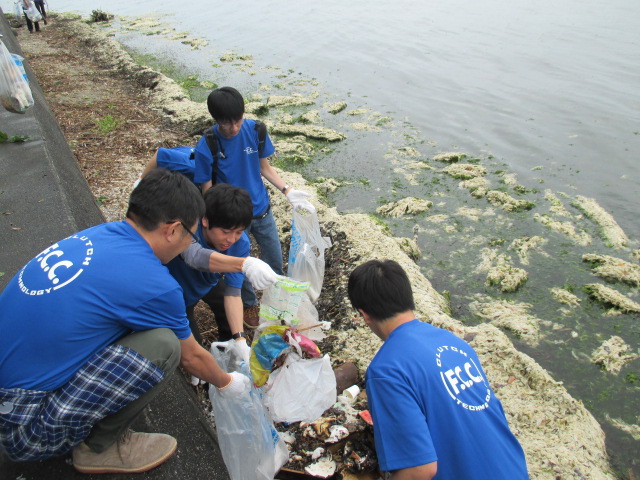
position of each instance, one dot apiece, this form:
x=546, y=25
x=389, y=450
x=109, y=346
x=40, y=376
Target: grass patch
x=107, y=124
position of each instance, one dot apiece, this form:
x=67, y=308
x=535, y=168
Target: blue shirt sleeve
x=203, y=162
x=269, y=149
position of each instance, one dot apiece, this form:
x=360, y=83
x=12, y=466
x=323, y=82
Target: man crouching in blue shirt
x=94, y=326
x=434, y=413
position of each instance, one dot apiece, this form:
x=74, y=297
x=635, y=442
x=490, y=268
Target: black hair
x=381, y=288
x=225, y=104
x=228, y=206
x=164, y=197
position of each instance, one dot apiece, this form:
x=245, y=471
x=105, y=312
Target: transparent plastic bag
x=15, y=94
x=33, y=13
x=301, y=389
x=280, y=302
x=17, y=12
x=286, y=303
x=250, y=445
x=306, y=253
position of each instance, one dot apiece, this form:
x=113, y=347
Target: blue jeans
x=265, y=232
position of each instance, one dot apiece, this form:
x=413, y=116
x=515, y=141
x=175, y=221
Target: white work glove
x=243, y=350
x=239, y=385
x=258, y=273
x=298, y=200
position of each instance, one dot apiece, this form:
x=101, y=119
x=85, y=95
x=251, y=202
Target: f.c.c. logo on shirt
x=462, y=378
x=56, y=266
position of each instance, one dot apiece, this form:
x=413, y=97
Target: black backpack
x=217, y=150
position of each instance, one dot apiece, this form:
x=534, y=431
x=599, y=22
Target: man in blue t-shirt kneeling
x=94, y=326
x=228, y=213
x=434, y=413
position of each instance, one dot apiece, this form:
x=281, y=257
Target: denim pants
x=162, y=348
x=265, y=233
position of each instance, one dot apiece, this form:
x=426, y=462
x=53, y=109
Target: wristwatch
x=238, y=335
x=284, y=189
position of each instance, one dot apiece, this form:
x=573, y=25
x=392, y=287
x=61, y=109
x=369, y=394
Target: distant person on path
x=242, y=159
x=40, y=7
x=94, y=326
x=26, y=5
x=434, y=413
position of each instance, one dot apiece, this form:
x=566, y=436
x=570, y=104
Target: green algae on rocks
x=449, y=157
x=562, y=295
x=514, y=316
x=611, y=231
x=566, y=228
x=406, y=206
x=507, y=202
x=613, y=354
x=465, y=171
x=610, y=297
x=614, y=269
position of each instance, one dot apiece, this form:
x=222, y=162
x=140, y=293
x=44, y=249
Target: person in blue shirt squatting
x=94, y=326
x=434, y=413
x=239, y=163
x=228, y=212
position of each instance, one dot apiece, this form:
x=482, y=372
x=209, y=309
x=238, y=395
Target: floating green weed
x=632, y=378
x=188, y=82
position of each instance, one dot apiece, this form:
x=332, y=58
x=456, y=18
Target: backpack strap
x=261, y=128
x=212, y=143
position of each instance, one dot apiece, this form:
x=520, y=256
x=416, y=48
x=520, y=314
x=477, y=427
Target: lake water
x=549, y=91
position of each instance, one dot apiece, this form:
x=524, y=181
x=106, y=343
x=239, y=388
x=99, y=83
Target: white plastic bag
x=15, y=94
x=33, y=13
x=306, y=253
x=17, y=12
x=250, y=445
x=301, y=389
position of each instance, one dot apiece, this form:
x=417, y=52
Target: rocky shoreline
x=560, y=437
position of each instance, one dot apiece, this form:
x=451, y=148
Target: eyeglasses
x=194, y=238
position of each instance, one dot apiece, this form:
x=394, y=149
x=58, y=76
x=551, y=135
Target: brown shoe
x=251, y=316
x=134, y=453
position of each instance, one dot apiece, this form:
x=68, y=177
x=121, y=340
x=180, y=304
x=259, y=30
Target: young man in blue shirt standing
x=239, y=162
x=434, y=413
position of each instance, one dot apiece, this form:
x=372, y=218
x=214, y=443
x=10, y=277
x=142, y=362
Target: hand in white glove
x=239, y=385
x=298, y=200
x=243, y=349
x=258, y=273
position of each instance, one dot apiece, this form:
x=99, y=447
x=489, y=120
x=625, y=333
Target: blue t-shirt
x=195, y=284
x=241, y=165
x=177, y=159
x=77, y=297
x=430, y=401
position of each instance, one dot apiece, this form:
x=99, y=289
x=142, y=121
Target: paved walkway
x=44, y=198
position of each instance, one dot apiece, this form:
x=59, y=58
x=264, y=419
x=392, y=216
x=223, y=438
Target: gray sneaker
x=134, y=453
